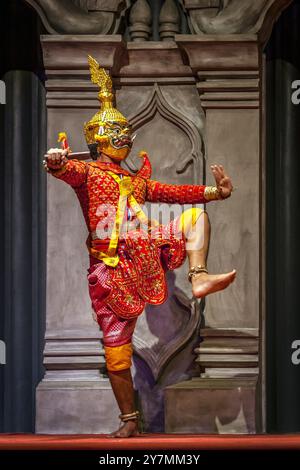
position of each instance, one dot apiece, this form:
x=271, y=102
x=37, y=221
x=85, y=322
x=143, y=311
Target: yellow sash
x=126, y=192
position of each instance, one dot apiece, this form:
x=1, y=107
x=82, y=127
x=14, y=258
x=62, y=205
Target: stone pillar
x=140, y=21
x=168, y=20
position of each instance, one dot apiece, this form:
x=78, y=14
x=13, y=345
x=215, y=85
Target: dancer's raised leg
x=196, y=226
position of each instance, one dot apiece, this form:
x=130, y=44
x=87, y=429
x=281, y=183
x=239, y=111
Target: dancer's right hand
x=56, y=158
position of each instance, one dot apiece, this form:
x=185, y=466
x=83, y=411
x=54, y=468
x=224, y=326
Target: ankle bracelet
x=195, y=270
x=129, y=416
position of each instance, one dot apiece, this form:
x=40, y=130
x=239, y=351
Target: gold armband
x=211, y=193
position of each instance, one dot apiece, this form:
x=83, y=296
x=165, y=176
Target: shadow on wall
x=164, y=351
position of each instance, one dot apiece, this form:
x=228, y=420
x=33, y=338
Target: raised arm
x=190, y=194
x=73, y=172
x=174, y=193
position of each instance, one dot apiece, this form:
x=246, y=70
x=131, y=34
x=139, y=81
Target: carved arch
x=158, y=103
x=159, y=355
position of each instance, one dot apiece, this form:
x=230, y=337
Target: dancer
x=130, y=253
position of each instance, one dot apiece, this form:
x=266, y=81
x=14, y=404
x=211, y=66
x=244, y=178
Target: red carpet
x=149, y=442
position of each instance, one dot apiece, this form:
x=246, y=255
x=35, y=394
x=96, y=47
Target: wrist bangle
x=211, y=193
x=53, y=170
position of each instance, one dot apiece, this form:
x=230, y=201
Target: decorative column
x=140, y=21
x=169, y=20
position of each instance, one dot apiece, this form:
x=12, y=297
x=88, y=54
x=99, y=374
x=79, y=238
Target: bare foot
x=204, y=284
x=129, y=429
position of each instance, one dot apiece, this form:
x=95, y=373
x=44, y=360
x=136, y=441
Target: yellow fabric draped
x=126, y=192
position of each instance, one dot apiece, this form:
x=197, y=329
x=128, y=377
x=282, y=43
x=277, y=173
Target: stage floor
x=150, y=442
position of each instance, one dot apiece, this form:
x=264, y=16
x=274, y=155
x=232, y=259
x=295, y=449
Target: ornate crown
x=107, y=113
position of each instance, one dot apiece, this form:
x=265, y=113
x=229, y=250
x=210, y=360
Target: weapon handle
x=79, y=155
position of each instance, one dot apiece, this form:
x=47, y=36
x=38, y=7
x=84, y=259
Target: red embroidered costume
x=119, y=293
x=127, y=269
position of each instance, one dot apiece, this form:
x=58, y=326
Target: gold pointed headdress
x=107, y=113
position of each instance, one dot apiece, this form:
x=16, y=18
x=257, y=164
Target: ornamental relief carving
x=231, y=16
x=80, y=16
x=194, y=145
x=203, y=16
x=158, y=341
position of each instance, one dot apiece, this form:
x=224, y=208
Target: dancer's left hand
x=223, y=181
